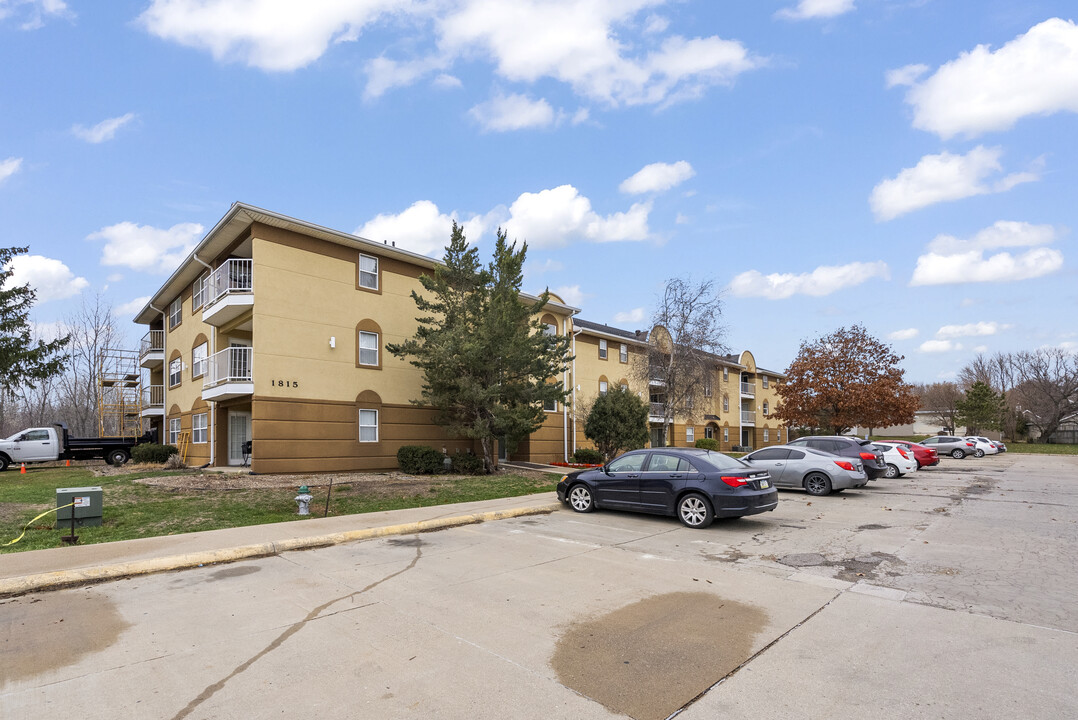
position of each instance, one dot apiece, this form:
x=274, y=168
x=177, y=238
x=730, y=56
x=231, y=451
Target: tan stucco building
x=273, y=331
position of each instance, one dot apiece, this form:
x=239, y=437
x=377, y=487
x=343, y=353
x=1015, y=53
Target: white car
x=899, y=460
x=982, y=446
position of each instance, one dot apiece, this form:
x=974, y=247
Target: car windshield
x=718, y=461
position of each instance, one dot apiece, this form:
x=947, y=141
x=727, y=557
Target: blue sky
x=905, y=164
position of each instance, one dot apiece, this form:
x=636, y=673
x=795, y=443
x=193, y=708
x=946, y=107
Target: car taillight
x=867, y=456
x=969, y=444
x=902, y=452
x=734, y=481
x=845, y=465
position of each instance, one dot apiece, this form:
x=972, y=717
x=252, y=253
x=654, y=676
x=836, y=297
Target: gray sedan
x=801, y=467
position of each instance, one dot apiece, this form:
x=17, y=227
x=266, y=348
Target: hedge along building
x=273, y=330
x=735, y=407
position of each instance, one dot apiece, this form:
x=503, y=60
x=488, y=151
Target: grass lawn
x=1042, y=449
x=134, y=510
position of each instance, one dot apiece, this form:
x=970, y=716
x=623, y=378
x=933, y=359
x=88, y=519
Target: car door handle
x=632, y=476
x=676, y=475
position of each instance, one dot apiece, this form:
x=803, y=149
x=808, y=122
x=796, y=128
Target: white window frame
x=369, y=273
x=178, y=362
x=175, y=313
x=174, y=425
x=707, y=387
x=199, y=429
x=709, y=432
x=766, y=435
x=778, y=435
x=198, y=291
x=765, y=382
x=553, y=408
x=690, y=434
x=362, y=349
x=625, y=387
x=550, y=329
x=602, y=349
x=766, y=406
x=623, y=353
x=725, y=403
x=368, y=424
x=603, y=387
x=198, y=360
x=726, y=374
x=726, y=434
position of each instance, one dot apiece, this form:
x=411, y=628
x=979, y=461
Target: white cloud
x=824, y=280
x=681, y=219
x=907, y=334
x=551, y=218
x=951, y=260
x=421, y=228
x=655, y=24
x=809, y=9
x=114, y=277
x=104, y=130
x=513, y=112
x=983, y=91
x=948, y=332
x=980, y=348
x=657, y=177
x=51, y=279
x=942, y=178
x=905, y=76
x=636, y=315
x=1003, y=233
x=34, y=11
x=939, y=346
x=146, y=248
x=571, y=294
x=133, y=306
x=9, y=167
x=447, y=81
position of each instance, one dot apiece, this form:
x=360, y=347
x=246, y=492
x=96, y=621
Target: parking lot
x=949, y=593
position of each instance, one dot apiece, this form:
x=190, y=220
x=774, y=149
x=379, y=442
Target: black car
x=864, y=450
x=693, y=484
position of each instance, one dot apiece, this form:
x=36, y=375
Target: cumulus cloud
x=939, y=346
x=132, y=306
x=943, y=178
x=50, y=278
x=33, y=12
x=824, y=280
x=905, y=76
x=810, y=9
x=1002, y=233
x=949, y=332
x=983, y=91
x=571, y=294
x=951, y=260
x=551, y=218
x=146, y=248
x=513, y=112
x=657, y=177
x=907, y=334
x=421, y=228
x=9, y=167
x=636, y=315
x=104, y=130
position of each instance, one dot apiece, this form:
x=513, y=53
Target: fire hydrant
x=304, y=500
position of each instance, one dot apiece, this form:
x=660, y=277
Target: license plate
x=764, y=484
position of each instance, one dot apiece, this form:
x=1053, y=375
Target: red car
x=925, y=456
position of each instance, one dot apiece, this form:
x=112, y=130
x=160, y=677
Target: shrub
x=175, y=463
x=467, y=463
x=153, y=453
x=420, y=460
x=707, y=443
x=617, y=420
x=587, y=456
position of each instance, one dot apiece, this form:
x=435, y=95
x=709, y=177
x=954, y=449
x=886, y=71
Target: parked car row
x=697, y=485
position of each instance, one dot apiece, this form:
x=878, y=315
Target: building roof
x=640, y=336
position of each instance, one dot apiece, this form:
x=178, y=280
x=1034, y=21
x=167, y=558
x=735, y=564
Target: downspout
x=575, y=333
x=213, y=408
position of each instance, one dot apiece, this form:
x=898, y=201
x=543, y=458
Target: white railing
x=657, y=409
x=748, y=388
x=233, y=276
x=153, y=396
x=229, y=365
x=748, y=416
x=152, y=341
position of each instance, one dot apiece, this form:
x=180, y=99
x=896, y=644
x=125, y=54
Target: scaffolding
x=119, y=393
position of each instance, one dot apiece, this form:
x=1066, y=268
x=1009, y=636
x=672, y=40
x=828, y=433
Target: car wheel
x=818, y=484
x=116, y=457
x=978, y=453
x=580, y=499
x=695, y=511
x=958, y=454
x=892, y=471
x=4, y=462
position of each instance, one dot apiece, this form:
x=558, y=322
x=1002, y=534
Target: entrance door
x=746, y=437
x=239, y=432
x=658, y=437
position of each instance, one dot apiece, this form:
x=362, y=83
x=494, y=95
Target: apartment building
x=271, y=335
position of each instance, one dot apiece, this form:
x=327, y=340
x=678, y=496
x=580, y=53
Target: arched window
x=368, y=345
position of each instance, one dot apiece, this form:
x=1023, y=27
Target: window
x=778, y=435
x=690, y=435
x=173, y=431
x=709, y=432
x=368, y=348
x=550, y=329
x=764, y=382
x=689, y=402
x=198, y=291
x=175, y=313
x=726, y=374
x=725, y=403
x=368, y=426
x=602, y=349
x=726, y=434
x=35, y=435
x=623, y=355
x=669, y=463
x=628, y=463
x=550, y=405
x=707, y=388
x=198, y=428
x=175, y=372
x=766, y=438
x=602, y=387
x=771, y=454
x=765, y=407
x=625, y=386
x=368, y=272
x=198, y=361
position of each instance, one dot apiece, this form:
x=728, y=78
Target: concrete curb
x=11, y=587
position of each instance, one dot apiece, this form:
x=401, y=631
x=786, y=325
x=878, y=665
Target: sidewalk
x=65, y=566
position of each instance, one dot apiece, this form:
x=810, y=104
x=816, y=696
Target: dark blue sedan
x=692, y=484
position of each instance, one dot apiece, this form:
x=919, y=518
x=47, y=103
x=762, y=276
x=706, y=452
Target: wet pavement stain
x=43, y=633
x=873, y=526
x=231, y=572
x=849, y=569
x=648, y=659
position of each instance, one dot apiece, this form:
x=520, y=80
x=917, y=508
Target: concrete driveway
x=950, y=593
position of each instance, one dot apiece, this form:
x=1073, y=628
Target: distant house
x=925, y=422
x=1066, y=433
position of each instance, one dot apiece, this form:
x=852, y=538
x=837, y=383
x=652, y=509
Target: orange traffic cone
x=23, y=471
x=68, y=463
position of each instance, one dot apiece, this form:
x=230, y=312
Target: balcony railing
x=153, y=341
x=227, y=366
x=748, y=388
x=657, y=409
x=748, y=416
x=233, y=276
x=153, y=397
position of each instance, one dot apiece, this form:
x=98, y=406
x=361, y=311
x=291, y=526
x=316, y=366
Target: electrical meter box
x=86, y=504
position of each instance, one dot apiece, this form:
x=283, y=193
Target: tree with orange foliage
x=844, y=380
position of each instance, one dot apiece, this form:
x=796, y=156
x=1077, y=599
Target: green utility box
x=87, y=507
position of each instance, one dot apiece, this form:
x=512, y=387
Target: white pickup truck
x=45, y=444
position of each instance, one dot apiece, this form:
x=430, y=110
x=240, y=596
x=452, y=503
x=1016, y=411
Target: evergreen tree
x=617, y=420
x=982, y=409
x=23, y=363
x=488, y=364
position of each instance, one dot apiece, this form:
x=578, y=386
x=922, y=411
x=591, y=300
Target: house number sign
x=284, y=383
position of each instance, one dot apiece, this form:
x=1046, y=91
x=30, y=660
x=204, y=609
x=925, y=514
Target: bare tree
x=684, y=346
x=93, y=329
x=940, y=400
x=1047, y=388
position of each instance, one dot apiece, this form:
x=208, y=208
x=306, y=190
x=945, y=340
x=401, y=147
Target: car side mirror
x=20, y=438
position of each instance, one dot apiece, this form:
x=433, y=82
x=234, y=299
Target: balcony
x=748, y=389
x=228, y=374
x=153, y=401
x=229, y=292
x=748, y=417
x=151, y=352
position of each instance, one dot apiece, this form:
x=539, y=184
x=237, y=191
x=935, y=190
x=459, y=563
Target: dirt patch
x=873, y=526
x=862, y=567
x=648, y=659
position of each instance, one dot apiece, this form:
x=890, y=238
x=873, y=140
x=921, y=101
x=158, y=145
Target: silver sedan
x=817, y=472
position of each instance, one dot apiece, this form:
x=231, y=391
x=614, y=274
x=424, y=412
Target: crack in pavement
x=292, y=629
